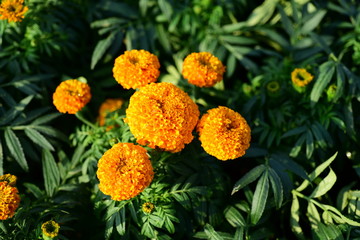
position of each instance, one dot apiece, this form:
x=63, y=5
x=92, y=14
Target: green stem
x=81, y=118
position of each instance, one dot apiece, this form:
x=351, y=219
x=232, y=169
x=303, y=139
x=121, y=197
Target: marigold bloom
x=136, y=68
x=162, y=115
x=9, y=179
x=273, y=86
x=224, y=133
x=50, y=228
x=71, y=96
x=203, y=69
x=108, y=106
x=9, y=200
x=148, y=207
x=300, y=77
x=124, y=171
x=13, y=10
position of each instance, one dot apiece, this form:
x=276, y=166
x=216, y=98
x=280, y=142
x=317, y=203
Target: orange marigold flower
x=50, y=228
x=136, y=68
x=203, y=69
x=9, y=179
x=124, y=171
x=13, y=10
x=300, y=77
x=71, y=96
x=108, y=106
x=9, y=200
x=224, y=133
x=162, y=115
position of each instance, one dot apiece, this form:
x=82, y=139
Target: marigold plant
x=162, y=115
x=108, y=106
x=50, y=228
x=71, y=96
x=136, y=68
x=300, y=77
x=9, y=200
x=124, y=171
x=13, y=10
x=203, y=69
x=224, y=133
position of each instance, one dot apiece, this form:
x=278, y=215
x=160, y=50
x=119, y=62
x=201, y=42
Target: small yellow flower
x=12, y=10
x=108, y=106
x=203, y=69
x=50, y=228
x=9, y=200
x=136, y=68
x=71, y=96
x=300, y=77
x=148, y=207
x=10, y=179
x=161, y=115
x=273, y=86
x=224, y=133
x=124, y=171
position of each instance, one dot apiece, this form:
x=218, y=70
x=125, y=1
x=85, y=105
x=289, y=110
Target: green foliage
x=288, y=185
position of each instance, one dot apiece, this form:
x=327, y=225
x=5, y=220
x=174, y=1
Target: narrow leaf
x=277, y=187
x=120, y=221
x=51, y=172
x=326, y=72
x=16, y=150
x=1, y=159
x=38, y=138
x=259, y=198
x=34, y=190
x=101, y=48
x=295, y=218
x=325, y=185
x=234, y=217
x=211, y=233
x=46, y=118
x=313, y=22
x=313, y=215
x=248, y=178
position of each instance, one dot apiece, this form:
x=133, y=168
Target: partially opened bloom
x=71, y=96
x=161, y=115
x=108, y=106
x=13, y=10
x=224, y=133
x=10, y=179
x=50, y=228
x=9, y=200
x=148, y=207
x=124, y=171
x=136, y=68
x=300, y=77
x=203, y=69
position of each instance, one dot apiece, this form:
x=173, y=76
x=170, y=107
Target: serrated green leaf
x=1, y=159
x=16, y=110
x=109, y=227
x=15, y=148
x=35, y=190
x=326, y=72
x=50, y=172
x=239, y=234
x=260, y=197
x=234, y=217
x=313, y=22
x=337, y=212
x=295, y=218
x=45, y=119
x=313, y=215
x=309, y=144
x=277, y=187
x=294, y=131
x=318, y=135
x=101, y=48
x=285, y=20
x=340, y=82
x=325, y=185
x=316, y=173
x=211, y=233
x=120, y=221
x=329, y=232
x=248, y=178
x=261, y=14
x=38, y=138
x=147, y=230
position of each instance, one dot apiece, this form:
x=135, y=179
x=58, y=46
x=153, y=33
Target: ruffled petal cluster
x=161, y=115
x=224, y=133
x=148, y=207
x=124, y=171
x=203, y=69
x=50, y=228
x=71, y=96
x=108, y=106
x=9, y=197
x=300, y=77
x=13, y=10
x=136, y=68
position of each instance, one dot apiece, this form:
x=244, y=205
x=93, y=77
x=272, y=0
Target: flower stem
x=81, y=118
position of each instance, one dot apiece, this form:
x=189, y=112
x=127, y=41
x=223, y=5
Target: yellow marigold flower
x=9, y=200
x=124, y=171
x=108, y=106
x=203, y=69
x=9, y=179
x=148, y=207
x=12, y=10
x=273, y=86
x=136, y=68
x=224, y=133
x=162, y=115
x=300, y=77
x=50, y=228
x=71, y=96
